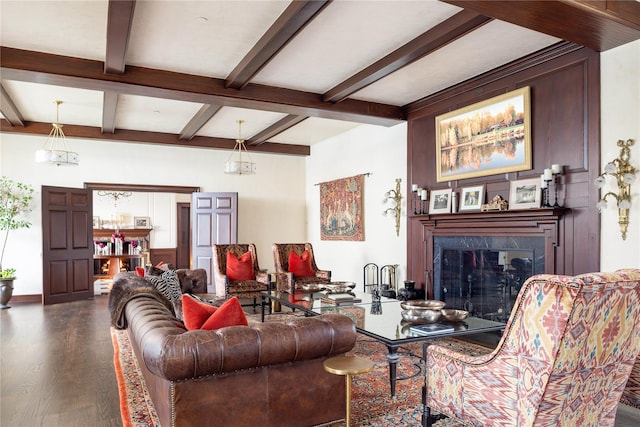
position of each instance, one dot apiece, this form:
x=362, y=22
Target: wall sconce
x=394, y=197
x=624, y=174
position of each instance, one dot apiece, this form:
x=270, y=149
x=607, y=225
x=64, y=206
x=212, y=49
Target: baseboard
x=26, y=298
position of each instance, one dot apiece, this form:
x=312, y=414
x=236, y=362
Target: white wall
x=620, y=119
x=382, y=152
x=271, y=204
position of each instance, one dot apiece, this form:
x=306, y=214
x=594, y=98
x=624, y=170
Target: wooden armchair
x=245, y=256
x=286, y=280
x=564, y=359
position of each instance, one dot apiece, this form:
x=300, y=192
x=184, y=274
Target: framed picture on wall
x=525, y=194
x=471, y=198
x=141, y=222
x=486, y=138
x=440, y=201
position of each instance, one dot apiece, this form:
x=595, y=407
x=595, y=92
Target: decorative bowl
x=422, y=305
x=339, y=287
x=313, y=287
x=421, y=316
x=453, y=315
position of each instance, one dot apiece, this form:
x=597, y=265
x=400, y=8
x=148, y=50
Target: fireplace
x=477, y=261
x=483, y=274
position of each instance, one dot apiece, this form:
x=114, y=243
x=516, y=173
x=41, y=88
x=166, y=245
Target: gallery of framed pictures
x=341, y=215
x=486, y=138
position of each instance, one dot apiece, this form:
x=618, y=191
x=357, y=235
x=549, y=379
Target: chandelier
x=55, y=150
x=239, y=166
x=115, y=195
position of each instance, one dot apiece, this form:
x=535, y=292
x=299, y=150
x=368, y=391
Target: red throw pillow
x=195, y=313
x=300, y=266
x=140, y=271
x=229, y=314
x=240, y=268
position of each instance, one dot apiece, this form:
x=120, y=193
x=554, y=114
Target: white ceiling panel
x=494, y=44
x=70, y=28
x=36, y=102
x=313, y=130
x=339, y=42
x=224, y=123
x=198, y=37
x=154, y=114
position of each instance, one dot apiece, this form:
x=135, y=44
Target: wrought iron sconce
x=394, y=197
x=624, y=174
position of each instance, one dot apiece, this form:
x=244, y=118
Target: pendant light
x=55, y=150
x=236, y=165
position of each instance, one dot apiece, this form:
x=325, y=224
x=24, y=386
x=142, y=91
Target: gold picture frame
x=486, y=138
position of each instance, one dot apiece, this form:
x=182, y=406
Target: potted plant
x=15, y=201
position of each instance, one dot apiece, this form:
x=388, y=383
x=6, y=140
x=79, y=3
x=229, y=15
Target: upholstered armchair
x=564, y=358
x=236, y=272
x=303, y=269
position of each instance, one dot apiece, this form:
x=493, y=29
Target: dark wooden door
x=214, y=220
x=183, y=251
x=67, y=244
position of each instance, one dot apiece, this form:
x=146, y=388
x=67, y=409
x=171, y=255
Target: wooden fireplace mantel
x=545, y=223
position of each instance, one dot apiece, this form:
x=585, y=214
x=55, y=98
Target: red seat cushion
x=240, y=268
x=300, y=266
x=200, y=315
x=140, y=271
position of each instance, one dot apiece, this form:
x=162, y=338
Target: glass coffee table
x=382, y=322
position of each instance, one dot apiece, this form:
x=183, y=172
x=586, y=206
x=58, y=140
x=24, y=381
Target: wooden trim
x=275, y=129
x=141, y=187
x=9, y=109
x=109, y=105
x=204, y=114
x=26, y=298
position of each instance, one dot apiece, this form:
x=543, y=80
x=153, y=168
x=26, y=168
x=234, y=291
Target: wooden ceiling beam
x=44, y=68
x=275, y=129
x=134, y=136
x=200, y=119
x=294, y=18
x=9, y=109
x=109, y=105
x=598, y=25
x=437, y=37
x=119, y=20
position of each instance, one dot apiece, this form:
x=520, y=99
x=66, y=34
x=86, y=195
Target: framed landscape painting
x=487, y=138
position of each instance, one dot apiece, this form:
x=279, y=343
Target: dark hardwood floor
x=57, y=367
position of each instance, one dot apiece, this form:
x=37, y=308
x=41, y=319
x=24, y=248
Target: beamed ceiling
x=183, y=72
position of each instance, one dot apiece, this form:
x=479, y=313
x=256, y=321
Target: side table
x=348, y=366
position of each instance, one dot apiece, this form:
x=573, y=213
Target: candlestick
x=414, y=187
x=543, y=183
x=556, y=169
x=547, y=174
x=423, y=194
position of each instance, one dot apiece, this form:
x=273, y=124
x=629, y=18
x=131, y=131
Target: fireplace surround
x=477, y=261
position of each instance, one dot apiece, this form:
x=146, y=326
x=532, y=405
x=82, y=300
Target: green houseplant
x=15, y=201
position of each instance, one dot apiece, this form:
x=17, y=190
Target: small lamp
x=624, y=174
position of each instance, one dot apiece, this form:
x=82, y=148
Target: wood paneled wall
x=565, y=115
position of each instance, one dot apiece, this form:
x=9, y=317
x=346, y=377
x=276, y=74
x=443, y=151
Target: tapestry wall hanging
x=341, y=216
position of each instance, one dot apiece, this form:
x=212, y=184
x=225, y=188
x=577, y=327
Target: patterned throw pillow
x=168, y=285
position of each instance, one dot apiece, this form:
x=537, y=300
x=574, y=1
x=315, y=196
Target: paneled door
x=214, y=221
x=67, y=244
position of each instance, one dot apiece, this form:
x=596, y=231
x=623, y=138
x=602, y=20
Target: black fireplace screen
x=483, y=275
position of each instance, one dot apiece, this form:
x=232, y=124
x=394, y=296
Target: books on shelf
x=340, y=299
x=431, y=329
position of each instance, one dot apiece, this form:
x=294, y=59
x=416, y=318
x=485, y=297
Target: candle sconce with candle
x=394, y=197
x=556, y=170
x=414, y=200
x=624, y=174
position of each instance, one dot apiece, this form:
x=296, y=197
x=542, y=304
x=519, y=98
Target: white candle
x=423, y=194
x=547, y=174
x=556, y=168
x=543, y=183
x=414, y=187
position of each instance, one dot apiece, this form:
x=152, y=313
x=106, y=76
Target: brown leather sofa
x=266, y=374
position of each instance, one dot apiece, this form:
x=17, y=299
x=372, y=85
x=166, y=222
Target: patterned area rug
x=371, y=404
